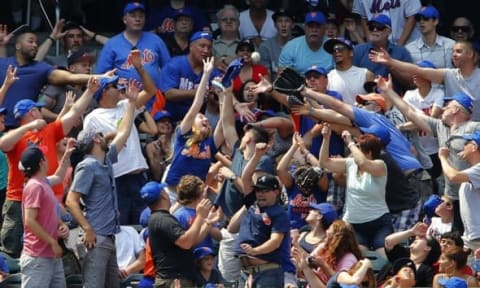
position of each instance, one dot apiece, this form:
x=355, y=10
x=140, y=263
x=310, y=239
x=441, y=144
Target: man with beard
x=301, y=52
x=33, y=130
x=346, y=79
x=130, y=170
x=32, y=75
x=94, y=184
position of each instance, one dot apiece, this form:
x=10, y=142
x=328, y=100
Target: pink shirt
x=38, y=194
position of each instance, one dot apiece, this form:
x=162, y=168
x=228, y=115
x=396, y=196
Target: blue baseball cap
x=315, y=17
x=3, y=110
x=104, y=82
x=132, y=7
x=328, y=46
x=329, y=214
x=24, y=106
x=429, y=12
x=379, y=131
x=145, y=216
x=151, y=191
x=475, y=136
x=426, y=64
x=160, y=115
x=431, y=204
x=202, y=252
x=463, y=99
x=316, y=68
x=201, y=35
x=381, y=19
x=452, y=282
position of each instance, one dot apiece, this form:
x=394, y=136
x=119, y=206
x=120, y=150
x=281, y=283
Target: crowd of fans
x=170, y=158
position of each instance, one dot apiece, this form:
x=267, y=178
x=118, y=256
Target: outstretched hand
x=381, y=57
x=134, y=87
x=208, y=65
x=10, y=76
x=263, y=86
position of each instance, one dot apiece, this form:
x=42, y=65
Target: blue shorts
x=372, y=234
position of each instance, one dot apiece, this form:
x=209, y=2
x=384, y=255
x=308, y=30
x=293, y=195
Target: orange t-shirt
x=47, y=138
x=149, y=269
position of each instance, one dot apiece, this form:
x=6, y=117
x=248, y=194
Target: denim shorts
x=372, y=234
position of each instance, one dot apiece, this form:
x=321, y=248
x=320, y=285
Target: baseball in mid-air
x=255, y=57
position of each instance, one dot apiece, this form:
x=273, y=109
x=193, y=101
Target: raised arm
x=283, y=165
x=149, y=88
x=9, y=140
x=333, y=103
x=64, y=164
x=374, y=167
x=335, y=165
x=189, y=118
x=416, y=116
x=249, y=169
x=321, y=114
x=228, y=118
x=454, y=175
x=4, y=39
x=191, y=236
x=73, y=116
x=396, y=238
x=10, y=78
x=54, y=36
x=127, y=121
x=382, y=57
x=94, y=36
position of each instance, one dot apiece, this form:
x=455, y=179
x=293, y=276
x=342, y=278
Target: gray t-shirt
x=452, y=138
x=469, y=202
x=95, y=181
x=455, y=82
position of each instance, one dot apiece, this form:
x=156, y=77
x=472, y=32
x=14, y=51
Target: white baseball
x=255, y=57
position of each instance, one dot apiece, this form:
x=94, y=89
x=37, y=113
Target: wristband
x=94, y=36
x=52, y=39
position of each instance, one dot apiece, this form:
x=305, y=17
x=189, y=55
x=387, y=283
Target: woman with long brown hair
x=451, y=263
x=339, y=252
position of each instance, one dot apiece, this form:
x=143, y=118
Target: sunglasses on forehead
x=460, y=29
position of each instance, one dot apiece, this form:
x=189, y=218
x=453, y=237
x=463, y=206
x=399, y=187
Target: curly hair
x=342, y=241
x=189, y=189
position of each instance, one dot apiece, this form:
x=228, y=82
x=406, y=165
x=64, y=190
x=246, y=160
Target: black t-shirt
x=170, y=260
x=425, y=273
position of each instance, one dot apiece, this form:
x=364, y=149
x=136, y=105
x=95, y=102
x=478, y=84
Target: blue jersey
x=115, y=55
x=192, y=160
x=178, y=74
x=162, y=22
x=399, y=147
x=257, y=227
x=185, y=216
x=336, y=142
x=298, y=205
x=32, y=77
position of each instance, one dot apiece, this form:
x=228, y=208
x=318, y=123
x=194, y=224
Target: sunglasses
x=376, y=27
x=460, y=29
x=419, y=18
x=228, y=19
x=366, y=103
x=339, y=48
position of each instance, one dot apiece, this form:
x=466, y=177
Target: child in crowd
x=207, y=274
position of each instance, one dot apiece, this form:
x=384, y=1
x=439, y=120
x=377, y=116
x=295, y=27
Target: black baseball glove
x=289, y=82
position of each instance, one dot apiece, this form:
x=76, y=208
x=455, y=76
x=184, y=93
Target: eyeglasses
x=339, y=48
x=418, y=18
x=460, y=29
x=376, y=27
x=228, y=19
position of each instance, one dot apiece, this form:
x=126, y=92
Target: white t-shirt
x=437, y=228
x=247, y=29
x=469, y=199
x=107, y=120
x=434, y=98
x=129, y=244
x=348, y=83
